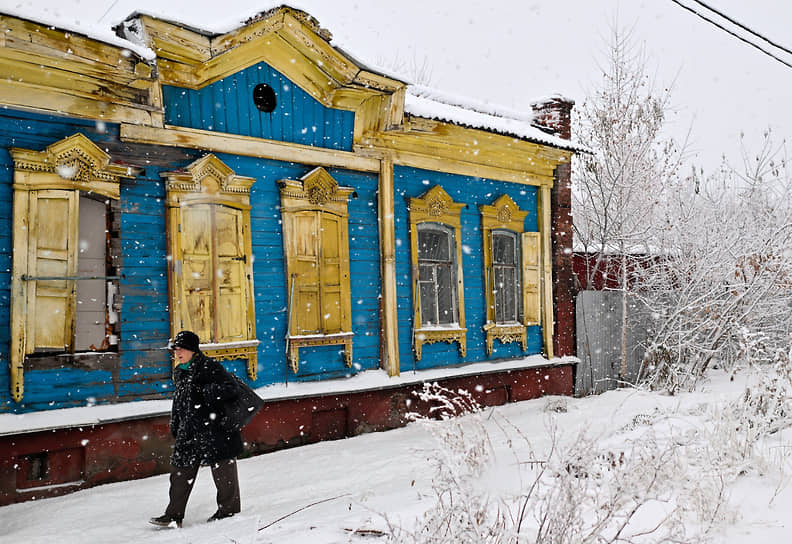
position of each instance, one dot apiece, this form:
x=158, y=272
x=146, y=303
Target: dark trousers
x=226, y=481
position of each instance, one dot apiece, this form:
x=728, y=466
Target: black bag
x=238, y=413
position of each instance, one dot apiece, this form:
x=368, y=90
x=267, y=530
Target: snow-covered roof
x=430, y=103
x=420, y=100
x=56, y=20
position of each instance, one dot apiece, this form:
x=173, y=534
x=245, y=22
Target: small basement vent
x=37, y=466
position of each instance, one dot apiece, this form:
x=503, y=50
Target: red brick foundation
x=49, y=463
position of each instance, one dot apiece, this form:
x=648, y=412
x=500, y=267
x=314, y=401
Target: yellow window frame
x=436, y=206
x=315, y=222
x=57, y=174
x=210, y=189
x=504, y=214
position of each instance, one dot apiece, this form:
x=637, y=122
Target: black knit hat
x=187, y=340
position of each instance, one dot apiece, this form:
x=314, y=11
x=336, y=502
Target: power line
x=741, y=38
x=739, y=24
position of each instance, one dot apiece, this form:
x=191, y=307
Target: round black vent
x=264, y=98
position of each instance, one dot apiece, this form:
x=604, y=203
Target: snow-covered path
x=366, y=476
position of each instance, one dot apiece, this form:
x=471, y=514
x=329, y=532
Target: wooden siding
x=144, y=368
x=269, y=278
x=412, y=183
x=227, y=106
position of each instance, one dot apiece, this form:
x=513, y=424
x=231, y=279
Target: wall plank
x=227, y=106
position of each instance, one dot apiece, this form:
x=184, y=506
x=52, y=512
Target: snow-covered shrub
x=641, y=491
x=720, y=290
x=739, y=429
x=462, y=513
x=582, y=490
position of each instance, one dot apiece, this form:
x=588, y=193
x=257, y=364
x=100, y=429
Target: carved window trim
x=503, y=215
x=209, y=181
x=64, y=169
x=317, y=193
x=436, y=206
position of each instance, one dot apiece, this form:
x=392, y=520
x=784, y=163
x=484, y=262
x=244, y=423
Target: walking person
x=201, y=388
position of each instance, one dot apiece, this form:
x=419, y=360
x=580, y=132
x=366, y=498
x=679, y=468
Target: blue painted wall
x=269, y=277
x=412, y=183
x=227, y=106
x=144, y=367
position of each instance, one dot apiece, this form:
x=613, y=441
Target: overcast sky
x=510, y=52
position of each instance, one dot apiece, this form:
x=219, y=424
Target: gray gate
x=599, y=341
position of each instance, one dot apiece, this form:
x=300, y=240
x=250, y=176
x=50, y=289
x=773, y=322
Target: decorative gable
x=208, y=177
x=289, y=40
x=74, y=163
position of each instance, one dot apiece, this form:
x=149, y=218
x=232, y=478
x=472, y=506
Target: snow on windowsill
x=87, y=416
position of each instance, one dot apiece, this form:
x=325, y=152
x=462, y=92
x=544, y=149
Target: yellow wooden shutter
x=230, y=275
x=196, y=238
x=489, y=275
x=531, y=278
x=331, y=274
x=306, y=317
x=52, y=252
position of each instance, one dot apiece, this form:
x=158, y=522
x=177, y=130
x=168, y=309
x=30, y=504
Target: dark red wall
x=50, y=463
x=555, y=114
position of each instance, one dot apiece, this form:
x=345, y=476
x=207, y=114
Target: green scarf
x=186, y=365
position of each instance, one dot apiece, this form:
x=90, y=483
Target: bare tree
x=618, y=187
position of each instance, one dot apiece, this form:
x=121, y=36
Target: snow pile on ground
x=709, y=466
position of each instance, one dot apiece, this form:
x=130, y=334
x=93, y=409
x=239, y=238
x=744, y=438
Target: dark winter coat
x=200, y=393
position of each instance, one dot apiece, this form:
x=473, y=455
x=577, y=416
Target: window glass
x=433, y=245
x=436, y=275
x=503, y=246
x=506, y=279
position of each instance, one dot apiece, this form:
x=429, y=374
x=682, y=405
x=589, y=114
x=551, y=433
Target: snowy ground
x=361, y=478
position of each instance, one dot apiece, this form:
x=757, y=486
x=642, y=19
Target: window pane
x=505, y=294
x=426, y=273
x=433, y=245
x=509, y=295
x=445, y=295
x=428, y=304
x=503, y=249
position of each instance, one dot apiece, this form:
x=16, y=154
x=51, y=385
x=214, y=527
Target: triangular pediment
x=208, y=177
x=72, y=163
x=289, y=40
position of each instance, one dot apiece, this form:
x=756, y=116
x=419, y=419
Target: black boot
x=166, y=521
x=219, y=515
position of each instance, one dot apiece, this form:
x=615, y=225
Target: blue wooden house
x=312, y=219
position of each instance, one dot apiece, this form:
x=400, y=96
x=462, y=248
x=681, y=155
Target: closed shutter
x=531, y=276
x=230, y=275
x=52, y=252
x=331, y=274
x=196, y=238
x=305, y=308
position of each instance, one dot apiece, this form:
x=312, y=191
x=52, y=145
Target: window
x=211, y=266
x=62, y=280
x=505, y=276
x=435, y=231
x=315, y=241
x=511, y=271
x=437, y=274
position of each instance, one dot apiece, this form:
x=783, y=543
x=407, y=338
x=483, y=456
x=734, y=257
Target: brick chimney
x=554, y=114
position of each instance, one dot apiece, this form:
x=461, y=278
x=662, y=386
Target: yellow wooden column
x=388, y=268
x=545, y=228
